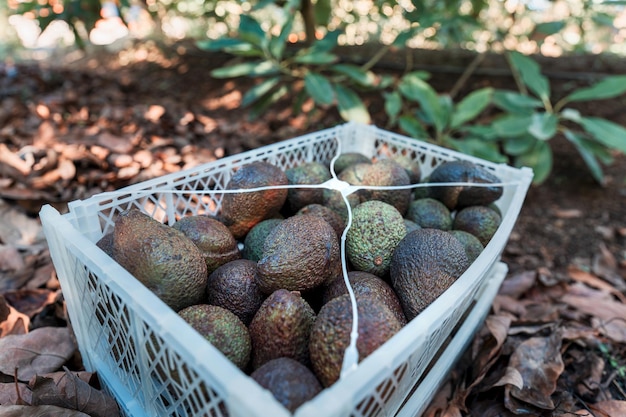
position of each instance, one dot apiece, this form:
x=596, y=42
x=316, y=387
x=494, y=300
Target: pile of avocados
x=263, y=281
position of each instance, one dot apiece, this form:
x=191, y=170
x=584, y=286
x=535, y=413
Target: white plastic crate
x=156, y=365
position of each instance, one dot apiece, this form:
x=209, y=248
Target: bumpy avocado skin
x=425, y=263
x=410, y=225
x=334, y=201
x=332, y=217
x=234, y=287
x=289, y=381
x=330, y=335
x=430, y=213
x=387, y=172
x=307, y=173
x=217, y=243
x=376, y=229
x=424, y=191
x=161, y=257
x=366, y=284
x=481, y=221
x=299, y=254
x=354, y=174
x=281, y=328
x=254, y=240
x=222, y=329
x=456, y=197
x=241, y=211
x=346, y=159
x=106, y=244
x=411, y=165
x=473, y=247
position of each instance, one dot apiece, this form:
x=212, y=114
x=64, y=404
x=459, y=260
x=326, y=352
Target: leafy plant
x=531, y=119
x=424, y=114
x=280, y=68
x=452, y=22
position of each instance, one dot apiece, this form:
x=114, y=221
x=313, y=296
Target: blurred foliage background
x=530, y=26
x=289, y=48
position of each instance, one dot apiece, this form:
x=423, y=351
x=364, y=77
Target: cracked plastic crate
x=154, y=364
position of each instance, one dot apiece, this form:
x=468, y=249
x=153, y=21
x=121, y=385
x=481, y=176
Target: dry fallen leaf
x=610, y=408
x=38, y=411
x=606, y=266
x=10, y=259
x=72, y=390
x=493, y=407
x=568, y=213
x=585, y=277
x=31, y=301
x=13, y=160
x=12, y=322
x=40, y=351
x=511, y=377
x=607, y=315
x=591, y=372
x=516, y=285
x=538, y=361
x=440, y=406
x=17, y=229
x=9, y=394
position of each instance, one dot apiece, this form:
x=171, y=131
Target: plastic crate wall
x=156, y=365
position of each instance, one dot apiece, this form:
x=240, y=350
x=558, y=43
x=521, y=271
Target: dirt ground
x=172, y=114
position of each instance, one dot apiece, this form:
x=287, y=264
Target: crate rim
x=382, y=354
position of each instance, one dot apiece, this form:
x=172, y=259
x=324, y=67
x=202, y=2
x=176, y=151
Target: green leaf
x=278, y=44
x=543, y=126
x=570, y=114
x=414, y=88
x=539, y=158
x=232, y=46
x=258, y=91
x=447, y=107
x=245, y=68
x=220, y=44
x=485, y=132
x=318, y=87
x=351, y=107
x=607, y=88
x=319, y=58
x=356, y=74
x=323, y=12
x=518, y=145
x=512, y=125
x=393, y=105
x=605, y=132
x=477, y=147
x=548, y=28
x=251, y=31
x=327, y=43
x=531, y=75
x=413, y=127
x=385, y=81
x=403, y=37
x=471, y=106
x=262, y=105
x=261, y=4
x=587, y=152
x=513, y=102
x=605, y=19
